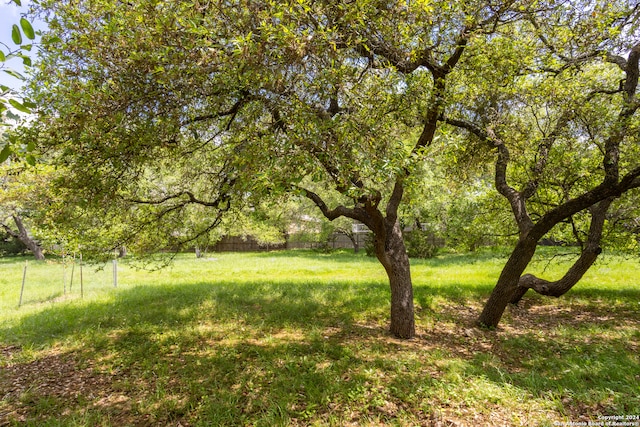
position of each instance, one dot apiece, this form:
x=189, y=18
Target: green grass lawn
x=299, y=338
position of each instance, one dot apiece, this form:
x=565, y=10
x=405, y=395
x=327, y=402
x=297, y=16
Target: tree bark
x=122, y=251
x=354, y=242
x=507, y=282
x=389, y=249
x=353, y=238
x=512, y=286
x=392, y=253
x=24, y=237
x=588, y=256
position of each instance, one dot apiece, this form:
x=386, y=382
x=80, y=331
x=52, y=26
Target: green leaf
x=31, y=146
x=16, y=36
x=5, y=153
x=30, y=159
x=26, y=60
x=14, y=74
x=12, y=116
x=46, y=39
x=27, y=29
x=18, y=106
x=2, y=57
x=18, y=2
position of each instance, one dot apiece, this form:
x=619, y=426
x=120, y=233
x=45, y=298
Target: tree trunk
x=508, y=282
x=587, y=257
x=24, y=237
x=511, y=286
x=389, y=249
x=393, y=256
x=559, y=287
x=354, y=241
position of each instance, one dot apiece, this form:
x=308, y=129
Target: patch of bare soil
x=58, y=379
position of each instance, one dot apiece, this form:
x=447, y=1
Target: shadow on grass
x=582, y=374
x=270, y=305
x=599, y=294
x=280, y=354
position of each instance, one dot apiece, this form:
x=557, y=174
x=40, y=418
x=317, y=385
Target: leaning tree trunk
x=588, y=256
x=24, y=237
x=354, y=241
x=392, y=253
x=512, y=286
x=508, y=281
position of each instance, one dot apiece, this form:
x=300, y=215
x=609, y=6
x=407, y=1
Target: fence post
x=115, y=273
x=73, y=269
x=24, y=276
x=81, y=282
x=64, y=276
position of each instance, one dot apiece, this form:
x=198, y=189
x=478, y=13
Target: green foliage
x=9, y=98
x=25, y=191
x=11, y=246
x=238, y=102
x=421, y=243
x=369, y=247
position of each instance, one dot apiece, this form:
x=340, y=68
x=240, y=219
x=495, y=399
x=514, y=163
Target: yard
x=299, y=338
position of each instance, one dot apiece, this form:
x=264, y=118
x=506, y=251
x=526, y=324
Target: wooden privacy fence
x=249, y=244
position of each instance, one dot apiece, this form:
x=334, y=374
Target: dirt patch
x=8, y=352
x=56, y=381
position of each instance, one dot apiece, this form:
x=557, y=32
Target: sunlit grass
x=299, y=338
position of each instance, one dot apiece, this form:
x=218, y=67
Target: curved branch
x=516, y=199
x=588, y=256
x=10, y=231
x=331, y=214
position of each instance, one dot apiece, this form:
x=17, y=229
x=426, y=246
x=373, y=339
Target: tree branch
x=588, y=256
x=516, y=199
x=331, y=214
x=10, y=231
x=233, y=111
x=395, y=200
x=543, y=154
x=631, y=81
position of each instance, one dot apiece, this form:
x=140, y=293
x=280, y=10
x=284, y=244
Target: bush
x=369, y=249
x=11, y=246
x=420, y=244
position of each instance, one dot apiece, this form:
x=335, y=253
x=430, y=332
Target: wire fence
x=61, y=278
